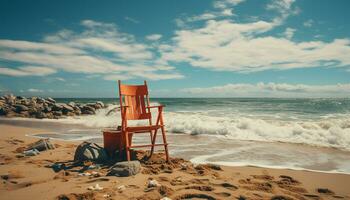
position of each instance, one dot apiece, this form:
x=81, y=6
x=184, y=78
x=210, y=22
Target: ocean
x=311, y=134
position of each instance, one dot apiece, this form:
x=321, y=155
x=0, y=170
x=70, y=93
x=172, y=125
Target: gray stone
x=47, y=109
x=40, y=100
x=20, y=97
x=51, y=100
x=20, y=108
x=40, y=115
x=101, y=103
x=90, y=151
x=71, y=104
x=88, y=110
x=66, y=108
x=126, y=168
x=57, y=113
x=57, y=107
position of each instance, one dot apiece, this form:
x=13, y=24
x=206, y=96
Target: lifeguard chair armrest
x=157, y=106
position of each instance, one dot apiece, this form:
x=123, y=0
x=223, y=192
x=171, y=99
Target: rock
x=126, y=168
x=57, y=107
x=153, y=183
x=24, y=114
x=70, y=114
x=90, y=151
x=77, y=111
x=41, y=145
x=10, y=99
x=32, y=152
x=40, y=100
x=88, y=110
x=20, y=97
x=4, y=110
x=20, y=108
x=66, y=109
x=47, y=109
x=25, y=102
x=72, y=104
x=51, y=100
x=40, y=115
x=57, y=113
x=101, y=103
x=97, y=187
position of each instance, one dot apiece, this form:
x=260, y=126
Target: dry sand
x=28, y=178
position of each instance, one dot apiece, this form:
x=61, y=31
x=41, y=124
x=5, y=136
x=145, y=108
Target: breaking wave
x=326, y=132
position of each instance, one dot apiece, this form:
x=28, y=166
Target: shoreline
x=286, y=156
x=45, y=186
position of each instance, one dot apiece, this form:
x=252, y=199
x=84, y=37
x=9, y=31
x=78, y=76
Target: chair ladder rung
x=148, y=145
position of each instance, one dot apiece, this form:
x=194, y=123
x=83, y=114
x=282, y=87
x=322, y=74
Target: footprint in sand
x=223, y=194
x=198, y=187
x=280, y=197
x=194, y=196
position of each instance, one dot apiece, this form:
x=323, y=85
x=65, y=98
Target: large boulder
x=89, y=110
x=90, y=151
x=66, y=109
x=20, y=108
x=51, y=100
x=126, y=168
x=101, y=103
x=57, y=107
x=10, y=99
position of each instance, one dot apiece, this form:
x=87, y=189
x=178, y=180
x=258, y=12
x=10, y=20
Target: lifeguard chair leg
x=127, y=145
x=165, y=144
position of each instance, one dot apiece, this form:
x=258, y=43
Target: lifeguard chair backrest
x=136, y=98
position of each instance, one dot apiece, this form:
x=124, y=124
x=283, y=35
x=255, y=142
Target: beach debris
x=90, y=151
x=92, y=166
x=97, y=187
x=84, y=174
x=153, y=183
x=325, y=191
x=121, y=188
x=41, y=145
x=56, y=167
x=37, y=107
x=126, y=168
x=32, y=152
x=107, y=196
x=165, y=198
x=95, y=174
x=214, y=166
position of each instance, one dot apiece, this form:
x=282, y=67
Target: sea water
x=309, y=134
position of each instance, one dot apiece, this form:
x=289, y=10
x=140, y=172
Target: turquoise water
x=289, y=108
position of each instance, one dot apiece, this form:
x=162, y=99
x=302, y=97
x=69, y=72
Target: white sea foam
x=327, y=132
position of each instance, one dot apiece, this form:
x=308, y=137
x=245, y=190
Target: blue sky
x=192, y=48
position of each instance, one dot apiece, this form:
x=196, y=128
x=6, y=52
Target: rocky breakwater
x=37, y=107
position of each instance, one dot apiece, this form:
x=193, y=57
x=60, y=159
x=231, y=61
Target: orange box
x=113, y=140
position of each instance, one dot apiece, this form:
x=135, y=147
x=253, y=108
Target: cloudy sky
x=192, y=48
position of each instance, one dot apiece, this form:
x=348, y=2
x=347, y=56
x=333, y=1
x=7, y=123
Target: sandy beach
x=31, y=178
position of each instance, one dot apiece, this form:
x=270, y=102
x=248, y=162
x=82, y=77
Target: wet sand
x=29, y=178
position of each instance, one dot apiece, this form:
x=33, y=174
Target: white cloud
x=289, y=33
x=271, y=90
x=131, y=20
x=27, y=71
x=35, y=90
x=153, y=37
x=228, y=45
x=308, y=23
x=100, y=48
x=223, y=4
